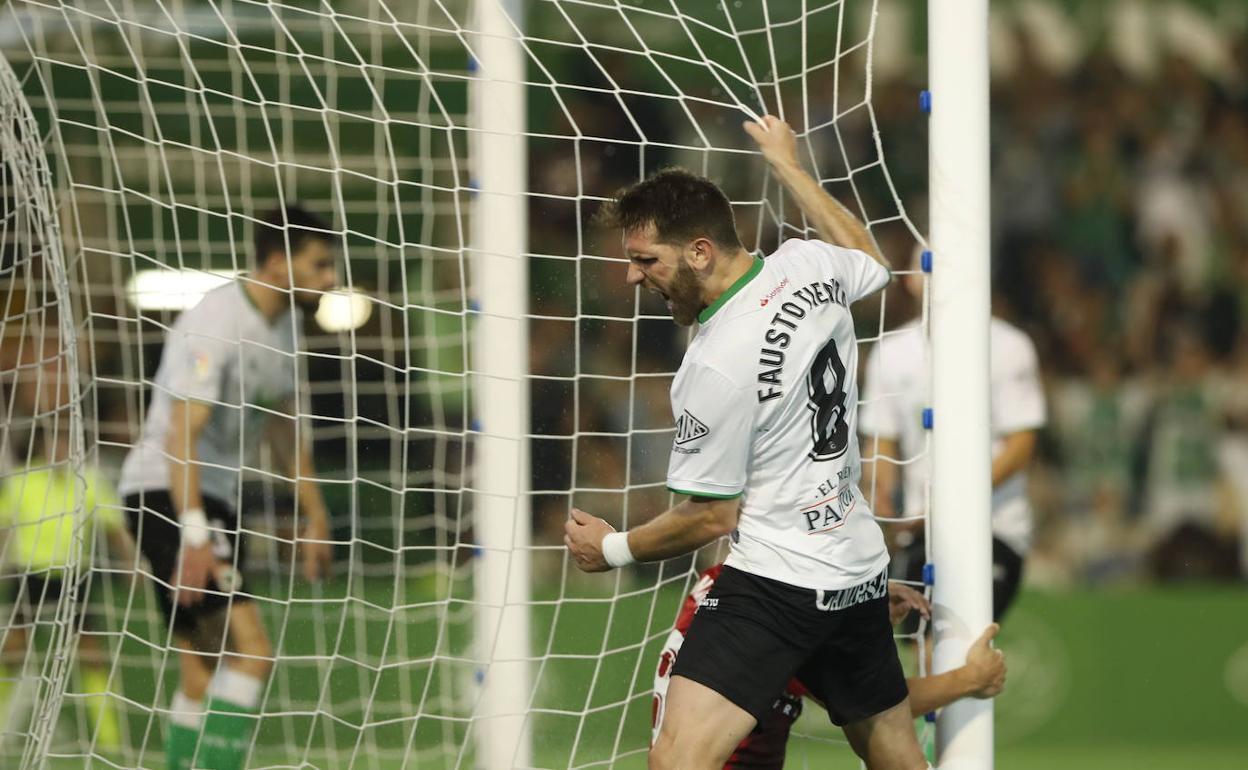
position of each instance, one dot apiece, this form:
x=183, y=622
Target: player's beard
x=684, y=295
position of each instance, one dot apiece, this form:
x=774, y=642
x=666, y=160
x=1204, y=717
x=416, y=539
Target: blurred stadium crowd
x=1121, y=245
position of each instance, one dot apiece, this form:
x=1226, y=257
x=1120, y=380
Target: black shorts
x=36, y=594
x=154, y=524
x=1007, y=577
x=751, y=635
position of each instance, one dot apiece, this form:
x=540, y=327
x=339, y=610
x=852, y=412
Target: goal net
x=153, y=135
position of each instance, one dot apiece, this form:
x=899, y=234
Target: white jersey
x=898, y=388
x=765, y=404
x=221, y=352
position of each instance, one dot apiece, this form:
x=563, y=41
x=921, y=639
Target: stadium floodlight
x=173, y=289
x=344, y=310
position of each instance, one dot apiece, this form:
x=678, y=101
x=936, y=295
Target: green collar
x=755, y=268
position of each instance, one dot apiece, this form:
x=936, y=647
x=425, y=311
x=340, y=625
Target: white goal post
x=499, y=166
x=961, y=529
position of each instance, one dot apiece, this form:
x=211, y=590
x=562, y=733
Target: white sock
x=185, y=712
x=235, y=687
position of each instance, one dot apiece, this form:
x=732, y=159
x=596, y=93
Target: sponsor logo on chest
x=834, y=501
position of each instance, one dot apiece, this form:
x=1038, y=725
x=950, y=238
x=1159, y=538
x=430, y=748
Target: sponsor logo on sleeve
x=688, y=430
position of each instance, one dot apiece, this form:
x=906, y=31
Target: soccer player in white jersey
x=897, y=388
x=227, y=378
x=766, y=448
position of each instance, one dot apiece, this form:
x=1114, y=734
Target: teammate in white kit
x=227, y=378
x=897, y=388
x=766, y=448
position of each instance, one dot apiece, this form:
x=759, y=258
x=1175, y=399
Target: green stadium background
x=1126, y=675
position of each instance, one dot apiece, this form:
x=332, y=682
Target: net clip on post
x=925, y=261
x=925, y=101
x=929, y=574
x=929, y=418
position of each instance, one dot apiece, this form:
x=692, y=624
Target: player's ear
x=700, y=252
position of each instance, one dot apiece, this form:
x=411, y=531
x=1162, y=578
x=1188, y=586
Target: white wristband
x=194, y=527
x=615, y=550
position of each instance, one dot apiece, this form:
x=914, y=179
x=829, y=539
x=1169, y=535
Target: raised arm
x=834, y=223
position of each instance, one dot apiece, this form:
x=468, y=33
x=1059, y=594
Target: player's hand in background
x=986, y=665
x=196, y=564
x=583, y=534
x=775, y=139
x=902, y=599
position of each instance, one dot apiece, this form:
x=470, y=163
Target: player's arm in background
x=196, y=562
x=834, y=223
x=1018, y=406
x=982, y=676
x=879, y=428
x=295, y=454
x=1015, y=455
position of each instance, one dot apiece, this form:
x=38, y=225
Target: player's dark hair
x=681, y=205
x=294, y=223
